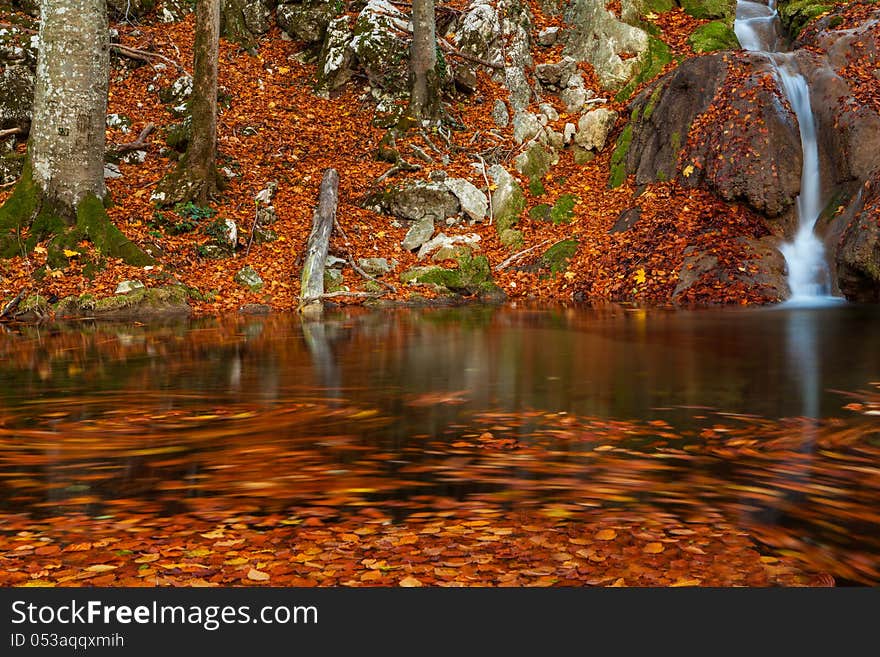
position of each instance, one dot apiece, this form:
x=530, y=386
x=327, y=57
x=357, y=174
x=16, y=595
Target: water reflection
x=729, y=412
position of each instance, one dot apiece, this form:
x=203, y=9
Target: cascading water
x=757, y=28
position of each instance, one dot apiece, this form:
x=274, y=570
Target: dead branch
x=488, y=189
x=519, y=254
x=144, y=56
x=354, y=265
x=307, y=301
x=11, y=131
x=139, y=144
x=449, y=49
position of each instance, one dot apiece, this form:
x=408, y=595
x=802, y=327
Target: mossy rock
x=618, y=157
x=540, y=212
x=655, y=58
x=713, y=36
x=795, y=15
x=511, y=238
x=557, y=257
x=472, y=277
x=563, y=209
x=148, y=302
x=710, y=9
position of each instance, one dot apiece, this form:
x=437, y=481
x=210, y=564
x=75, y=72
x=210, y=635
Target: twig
x=354, y=265
x=9, y=184
x=429, y=142
x=420, y=153
x=593, y=101
x=488, y=189
x=144, y=56
x=253, y=228
x=518, y=255
x=397, y=168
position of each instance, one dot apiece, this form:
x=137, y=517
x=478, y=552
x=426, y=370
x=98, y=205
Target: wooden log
x=312, y=279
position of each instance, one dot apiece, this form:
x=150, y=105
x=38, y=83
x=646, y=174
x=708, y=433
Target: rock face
x=717, y=121
x=306, y=21
x=855, y=244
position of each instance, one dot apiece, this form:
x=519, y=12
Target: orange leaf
x=605, y=535
x=257, y=575
x=410, y=582
x=654, y=548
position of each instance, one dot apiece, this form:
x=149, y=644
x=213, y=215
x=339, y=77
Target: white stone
x=129, y=286
x=473, y=202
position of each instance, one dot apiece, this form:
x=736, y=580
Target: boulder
x=419, y=233
x=306, y=21
x=376, y=266
x=335, y=59
x=379, y=47
x=508, y=200
x=594, y=127
x=126, y=287
x=418, y=200
x=473, y=202
x=248, y=277
x=448, y=245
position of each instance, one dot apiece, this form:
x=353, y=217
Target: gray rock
x=598, y=37
x=376, y=266
x=548, y=36
x=125, y=287
x=500, y=114
x=573, y=98
x=594, y=128
x=473, y=202
x=111, y=171
x=555, y=140
x=11, y=166
x=549, y=111
x=508, y=200
x=335, y=59
x=256, y=16
x=377, y=44
x=332, y=261
x=443, y=241
x=306, y=21
x=519, y=89
x=119, y=121
x=16, y=96
x=556, y=75
x=333, y=280
x=525, y=126
x=568, y=133
x=479, y=33
x=422, y=199
x=248, y=277
x=419, y=233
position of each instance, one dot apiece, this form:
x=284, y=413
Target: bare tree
x=424, y=102
x=195, y=178
x=61, y=191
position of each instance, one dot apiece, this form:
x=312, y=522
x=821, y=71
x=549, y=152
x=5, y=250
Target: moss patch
x=713, y=36
x=618, y=157
x=655, y=58
x=557, y=257
x=710, y=9
x=563, y=209
x=796, y=14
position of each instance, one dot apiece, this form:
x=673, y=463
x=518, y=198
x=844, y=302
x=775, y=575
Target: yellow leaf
x=148, y=558
x=56, y=273
x=605, y=535
x=654, y=548
x=39, y=583
x=238, y=561
x=640, y=276
x=570, y=275
x=68, y=253
x=683, y=581
x=217, y=533
x=283, y=69
x=257, y=575
x=100, y=568
x=688, y=170
x=410, y=582
x=39, y=249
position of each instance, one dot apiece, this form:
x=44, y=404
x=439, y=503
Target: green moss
x=92, y=220
x=652, y=101
x=557, y=257
x=658, y=6
x=713, y=36
x=655, y=58
x=178, y=135
x=536, y=187
x=540, y=212
x=146, y=299
x=710, y=9
x=796, y=14
x=563, y=209
x=19, y=208
x=675, y=141
x=618, y=157
x=33, y=303
x=511, y=238
x=507, y=214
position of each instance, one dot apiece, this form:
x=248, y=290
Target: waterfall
x=757, y=28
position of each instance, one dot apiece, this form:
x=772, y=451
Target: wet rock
x=854, y=244
x=255, y=309
x=626, y=220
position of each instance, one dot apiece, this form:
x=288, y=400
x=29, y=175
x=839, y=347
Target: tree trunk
x=195, y=178
x=424, y=100
x=312, y=279
x=66, y=145
x=61, y=190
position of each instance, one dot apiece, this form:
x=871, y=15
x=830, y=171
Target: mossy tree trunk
x=61, y=191
x=195, y=178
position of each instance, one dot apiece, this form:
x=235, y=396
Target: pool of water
x=766, y=417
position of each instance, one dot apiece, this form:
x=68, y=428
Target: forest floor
x=272, y=127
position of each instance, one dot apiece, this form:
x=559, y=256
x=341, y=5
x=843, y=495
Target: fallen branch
x=139, y=144
x=449, y=49
x=397, y=168
x=144, y=56
x=519, y=254
x=488, y=189
x=11, y=131
x=307, y=301
x=354, y=265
